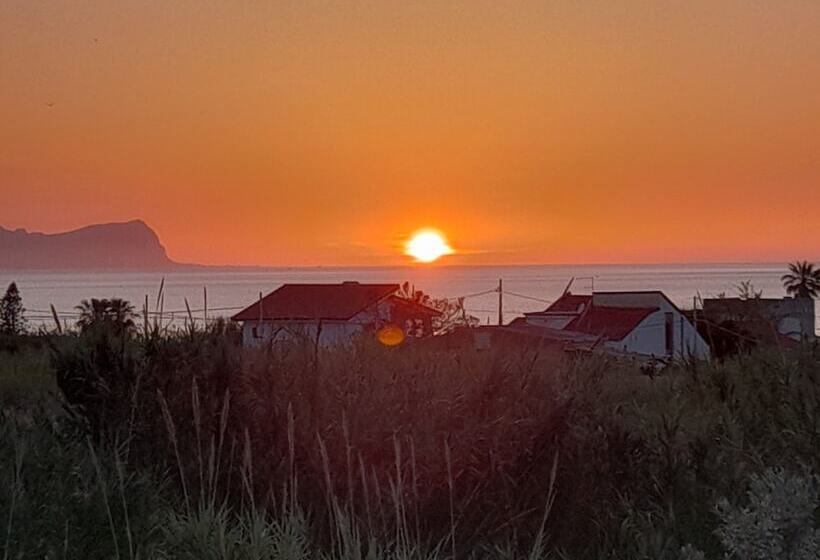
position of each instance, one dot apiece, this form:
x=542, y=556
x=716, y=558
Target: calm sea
x=229, y=289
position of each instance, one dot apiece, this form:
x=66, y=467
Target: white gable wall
x=333, y=333
x=649, y=337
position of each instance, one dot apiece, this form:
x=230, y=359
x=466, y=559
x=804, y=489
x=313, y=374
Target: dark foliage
x=12, y=312
x=426, y=445
x=802, y=280
x=113, y=316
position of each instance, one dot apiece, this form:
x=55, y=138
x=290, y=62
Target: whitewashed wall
x=333, y=333
x=649, y=337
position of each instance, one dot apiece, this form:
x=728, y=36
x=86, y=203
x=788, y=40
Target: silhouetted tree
x=802, y=280
x=12, y=320
x=115, y=314
x=746, y=290
x=453, y=312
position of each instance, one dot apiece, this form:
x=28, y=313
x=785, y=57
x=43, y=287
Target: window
x=669, y=331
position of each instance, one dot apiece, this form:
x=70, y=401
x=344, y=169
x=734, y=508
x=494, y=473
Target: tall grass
x=25, y=370
x=411, y=452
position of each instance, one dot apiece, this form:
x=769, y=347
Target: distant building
x=336, y=313
x=636, y=323
x=793, y=318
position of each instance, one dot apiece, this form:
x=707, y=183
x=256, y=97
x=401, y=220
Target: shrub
x=778, y=520
x=413, y=448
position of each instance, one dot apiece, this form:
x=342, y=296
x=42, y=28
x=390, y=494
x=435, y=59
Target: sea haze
x=235, y=288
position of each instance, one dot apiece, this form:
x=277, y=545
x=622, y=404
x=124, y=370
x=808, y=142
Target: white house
x=641, y=323
x=336, y=313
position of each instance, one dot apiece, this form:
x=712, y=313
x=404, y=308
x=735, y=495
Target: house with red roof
x=335, y=313
x=645, y=323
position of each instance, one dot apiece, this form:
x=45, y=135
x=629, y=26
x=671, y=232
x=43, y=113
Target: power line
x=522, y=296
x=474, y=310
x=139, y=312
x=477, y=294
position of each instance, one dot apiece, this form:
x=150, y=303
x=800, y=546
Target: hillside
x=118, y=245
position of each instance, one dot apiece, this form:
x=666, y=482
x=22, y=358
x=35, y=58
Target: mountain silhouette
x=126, y=245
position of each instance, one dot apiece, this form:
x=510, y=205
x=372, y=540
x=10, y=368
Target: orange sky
x=318, y=132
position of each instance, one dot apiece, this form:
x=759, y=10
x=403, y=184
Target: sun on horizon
x=427, y=245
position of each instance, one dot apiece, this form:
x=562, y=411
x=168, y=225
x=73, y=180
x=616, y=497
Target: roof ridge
x=315, y=301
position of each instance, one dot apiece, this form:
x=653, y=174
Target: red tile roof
x=611, y=323
x=317, y=301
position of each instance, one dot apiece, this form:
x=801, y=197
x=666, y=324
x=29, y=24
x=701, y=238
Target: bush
x=456, y=451
x=778, y=520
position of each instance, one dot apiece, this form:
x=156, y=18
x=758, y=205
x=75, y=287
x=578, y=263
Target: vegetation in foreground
x=183, y=445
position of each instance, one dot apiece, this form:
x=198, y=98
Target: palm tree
x=116, y=314
x=802, y=280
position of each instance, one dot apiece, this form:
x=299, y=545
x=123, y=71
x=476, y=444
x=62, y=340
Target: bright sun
x=427, y=245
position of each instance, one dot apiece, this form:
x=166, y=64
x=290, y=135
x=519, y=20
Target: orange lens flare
x=390, y=335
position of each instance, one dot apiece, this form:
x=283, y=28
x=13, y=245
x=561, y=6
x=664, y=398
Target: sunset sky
x=308, y=132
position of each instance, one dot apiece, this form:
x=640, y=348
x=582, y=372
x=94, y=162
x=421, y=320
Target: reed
x=368, y=452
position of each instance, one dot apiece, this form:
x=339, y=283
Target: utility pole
x=500, y=303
